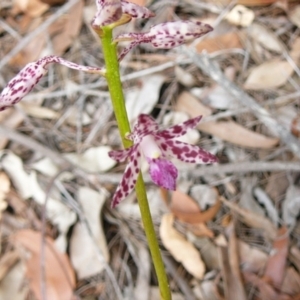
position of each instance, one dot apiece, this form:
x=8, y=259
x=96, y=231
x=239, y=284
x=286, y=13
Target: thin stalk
x=118, y=102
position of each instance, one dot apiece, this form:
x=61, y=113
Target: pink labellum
x=108, y=11
x=163, y=173
x=30, y=75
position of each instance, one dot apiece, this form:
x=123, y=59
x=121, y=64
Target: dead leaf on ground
x=252, y=219
x=87, y=262
x=59, y=274
x=7, y=261
x=33, y=8
x=135, y=98
x=233, y=283
x=252, y=259
x=185, y=209
x=229, y=40
x=10, y=118
x=4, y=189
x=69, y=25
x=241, y=16
x=294, y=15
x=234, y=133
x=229, y=131
x=268, y=75
x=275, y=268
x=265, y=37
x=12, y=285
x=180, y=248
x=188, y=103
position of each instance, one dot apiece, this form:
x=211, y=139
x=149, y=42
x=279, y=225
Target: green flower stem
x=117, y=98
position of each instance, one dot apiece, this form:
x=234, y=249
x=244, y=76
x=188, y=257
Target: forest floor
x=230, y=231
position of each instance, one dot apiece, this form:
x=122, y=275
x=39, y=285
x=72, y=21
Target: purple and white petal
x=21, y=84
x=171, y=34
x=136, y=11
x=129, y=178
x=185, y=152
x=179, y=129
x=163, y=173
x=108, y=11
x=120, y=155
x=145, y=125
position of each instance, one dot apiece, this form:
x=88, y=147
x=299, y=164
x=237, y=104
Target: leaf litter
x=255, y=214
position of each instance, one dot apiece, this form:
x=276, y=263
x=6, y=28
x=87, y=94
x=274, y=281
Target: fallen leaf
x=4, y=189
x=291, y=206
x=10, y=118
x=207, y=289
x=7, y=261
x=12, y=285
x=241, y=16
x=93, y=160
x=227, y=130
x=88, y=263
x=38, y=111
x=266, y=291
x=28, y=186
x=233, y=284
x=185, y=209
x=33, y=8
x=181, y=249
x=135, y=98
x=251, y=259
x=294, y=15
x=188, y=103
x=275, y=268
x=229, y=40
x=59, y=275
x=252, y=219
x=268, y=75
x=184, y=77
x=291, y=282
x=265, y=37
x=277, y=185
x=234, y=133
x=69, y=25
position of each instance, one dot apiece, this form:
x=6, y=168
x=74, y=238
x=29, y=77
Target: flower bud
x=30, y=75
x=108, y=11
x=171, y=34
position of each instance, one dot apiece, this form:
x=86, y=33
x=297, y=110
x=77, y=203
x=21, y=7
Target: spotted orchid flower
x=31, y=74
x=157, y=146
x=165, y=35
x=111, y=11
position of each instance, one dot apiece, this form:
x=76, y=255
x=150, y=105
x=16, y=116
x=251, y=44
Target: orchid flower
x=165, y=35
x=31, y=74
x=157, y=146
x=111, y=11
